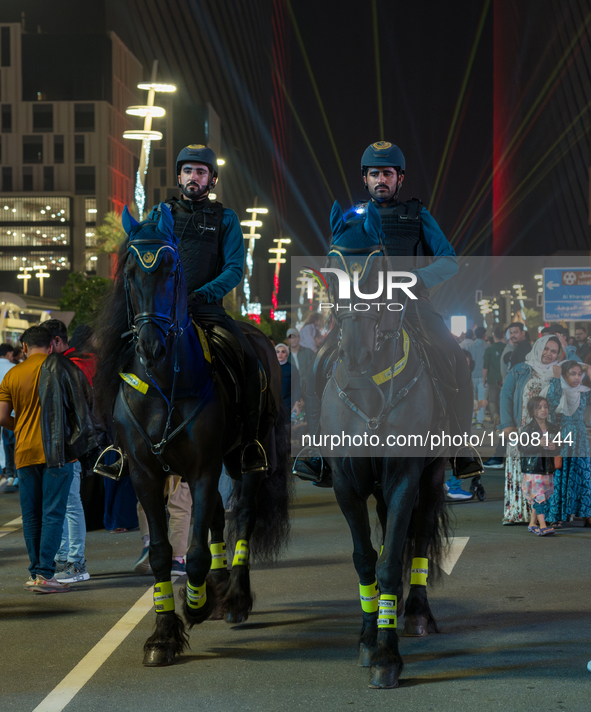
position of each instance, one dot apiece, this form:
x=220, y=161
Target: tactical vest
x=199, y=235
x=403, y=236
x=402, y=229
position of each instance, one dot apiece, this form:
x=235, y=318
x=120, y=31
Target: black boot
x=465, y=466
x=312, y=469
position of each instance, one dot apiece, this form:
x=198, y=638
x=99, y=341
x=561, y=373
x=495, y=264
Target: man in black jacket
x=52, y=429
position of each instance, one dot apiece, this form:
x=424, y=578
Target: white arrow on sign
x=552, y=285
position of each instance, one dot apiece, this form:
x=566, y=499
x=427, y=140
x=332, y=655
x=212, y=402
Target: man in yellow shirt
x=43, y=490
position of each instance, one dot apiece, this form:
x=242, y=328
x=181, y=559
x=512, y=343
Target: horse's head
x=357, y=288
x=154, y=284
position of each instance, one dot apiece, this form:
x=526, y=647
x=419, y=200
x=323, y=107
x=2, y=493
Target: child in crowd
x=538, y=463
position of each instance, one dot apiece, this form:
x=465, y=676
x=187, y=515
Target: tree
x=83, y=295
x=110, y=234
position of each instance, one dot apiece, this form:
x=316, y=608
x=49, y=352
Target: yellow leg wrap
x=241, y=554
x=369, y=597
x=163, y=597
x=419, y=572
x=219, y=559
x=196, y=596
x=387, y=611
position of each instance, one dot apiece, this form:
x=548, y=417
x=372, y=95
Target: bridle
x=148, y=261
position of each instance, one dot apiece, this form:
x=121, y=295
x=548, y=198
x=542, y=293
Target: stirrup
x=109, y=471
x=475, y=472
x=261, y=464
x=302, y=469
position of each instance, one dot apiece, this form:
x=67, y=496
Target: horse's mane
x=113, y=352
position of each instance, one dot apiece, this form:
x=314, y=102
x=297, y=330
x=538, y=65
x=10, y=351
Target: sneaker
x=458, y=493
x=61, y=566
x=3, y=483
x=179, y=568
x=495, y=463
x=49, y=585
x=73, y=573
x=29, y=583
x=142, y=565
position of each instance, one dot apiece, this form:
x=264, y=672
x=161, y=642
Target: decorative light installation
x=252, y=309
x=148, y=112
x=277, y=261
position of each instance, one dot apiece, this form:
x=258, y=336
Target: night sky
x=435, y=69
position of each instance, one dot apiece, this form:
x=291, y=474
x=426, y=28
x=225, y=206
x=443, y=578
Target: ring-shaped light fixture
x=153, y=111
x=139, y=135
x=156, y=86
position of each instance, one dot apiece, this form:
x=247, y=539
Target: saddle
x=226, y=353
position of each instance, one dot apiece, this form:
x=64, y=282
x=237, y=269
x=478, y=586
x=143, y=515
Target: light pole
x=41, y=275
x=146, y=136
x=26, y=276
x=251, y=308
x=278, y=261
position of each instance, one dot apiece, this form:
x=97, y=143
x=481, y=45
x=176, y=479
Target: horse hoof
x=158, y=657
x=365, y=653
x=384, y=677
x=236, y=618
x=415, y=626
x=217, y=614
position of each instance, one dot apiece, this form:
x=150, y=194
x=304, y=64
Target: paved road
x=514, y=614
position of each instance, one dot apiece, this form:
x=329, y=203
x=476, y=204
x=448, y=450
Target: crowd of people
x=536, y=386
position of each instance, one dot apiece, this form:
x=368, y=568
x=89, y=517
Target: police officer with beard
x=211, y=248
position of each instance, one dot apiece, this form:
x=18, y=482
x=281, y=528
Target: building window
x=58, y=149
x=91, y=210
x=42, y=117
x=159, y=157
x=32, y=149
x=156, y=196
x=6, y=118
x=6, y=179
x=84, y=180
x=48, y=183
x=83, y=117
x=78, y=149
x=28, y=178
x=5, y=47
x=54, y=210
x=163, y=177
x=0, y=149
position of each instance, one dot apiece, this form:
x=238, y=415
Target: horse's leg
x=400, y=488
x=169, y=638
x=218, y=574
x=354, y=509
x=382, y=512
x=199, y=595
x=236, y=595
x=418, y=617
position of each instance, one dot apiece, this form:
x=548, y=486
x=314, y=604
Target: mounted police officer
x=211, y=247
x=410, y=231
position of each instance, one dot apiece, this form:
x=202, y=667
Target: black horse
x=380, y=386
x=175, y=410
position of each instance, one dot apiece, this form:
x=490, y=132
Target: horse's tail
x=272, y=528
x=430, y=523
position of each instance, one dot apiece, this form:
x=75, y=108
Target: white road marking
x=458, y=543
x=12, y=526
x=69, y=687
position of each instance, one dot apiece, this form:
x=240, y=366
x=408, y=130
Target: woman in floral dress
x=568, y=397
x=523, y=382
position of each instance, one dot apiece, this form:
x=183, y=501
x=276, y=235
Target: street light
x=26, y=276
x=277, y=261
x=148, y=111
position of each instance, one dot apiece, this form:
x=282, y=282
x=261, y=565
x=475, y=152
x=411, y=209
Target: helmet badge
x=381, y=145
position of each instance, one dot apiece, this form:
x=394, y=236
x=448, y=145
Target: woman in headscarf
x=290, y=382
x=524, y=381
x=568, y=398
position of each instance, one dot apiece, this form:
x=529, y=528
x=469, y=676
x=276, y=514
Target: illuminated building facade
x=63, y=161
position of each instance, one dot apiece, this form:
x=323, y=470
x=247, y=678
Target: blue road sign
x=567, y=294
